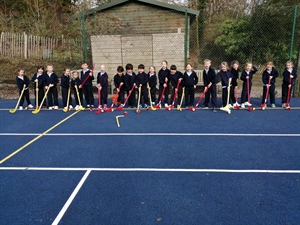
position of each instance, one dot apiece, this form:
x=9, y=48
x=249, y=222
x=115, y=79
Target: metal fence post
x=293, y=32
x=186, y=33
x=83, y=30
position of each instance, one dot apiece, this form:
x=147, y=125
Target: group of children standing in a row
x=127, y=82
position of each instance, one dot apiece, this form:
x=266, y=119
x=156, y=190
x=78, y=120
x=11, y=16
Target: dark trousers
x=179, y=94
x=153, y=94
x=271, y=94
x=244, y=97
x=166, y=94
x=224, y=95
x=212, y=91
x=233, y=94
x=64, y=95
x=88, y=94
x=131, y=100
x=189, y=96
x=41, y=94
x=144, y=95
x=104, y=95
x=52, y=96
x=76, y=96
x=24, y=96
x=285, y=90
x=121, y=96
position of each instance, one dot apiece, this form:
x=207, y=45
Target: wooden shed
x=140, y=31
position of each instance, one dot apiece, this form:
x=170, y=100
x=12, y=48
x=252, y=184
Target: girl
x=235, y=69
x=190, y=81
x=102, y=83
x=247, y=76
x=152, y=79
x=39, y=85
x=226, y=77
x=51, y=81
x=289, y=76
x=163, y=77
x=65, y=84
x=23, y=82
x=76, y=82
x=209, y=81
x=269, y=75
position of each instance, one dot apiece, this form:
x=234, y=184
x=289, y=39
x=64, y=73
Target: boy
x=51, y=81
x=39, y=80
x=102, y=84
x=269, y=73
x=141, y=81
x=87, y=87
x=190, y=81
x=119, y=80
x=163, y=77
x=152, y=79
x=175, y=77
x=209, y=81
x=76, y=82
x=65, y=84
x=23, y=82
x=130, y=78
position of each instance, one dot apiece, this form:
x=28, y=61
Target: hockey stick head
x=109, y=109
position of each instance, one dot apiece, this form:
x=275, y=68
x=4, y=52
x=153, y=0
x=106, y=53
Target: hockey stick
x=287, y=104
x=139, y=101
x=36, y=94
x=68, y=100
x=37, y=110
x=110, y=109
x=174, y=98
x=15, y=109
x=200, y=99
x=128, y=96
x=149, y=92
x=226, y=108
x=77, y=92
x=158, y=106
x=179, y=107
x=263, y=106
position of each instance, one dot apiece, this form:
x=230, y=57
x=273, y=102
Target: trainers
x=105, y=107
x=30, y=106
x=70, y=107
x=214, y=110
x=229, y=106
x=140, y=106
x=56, y=107
x=88, y=106
x=146, y=106
x=166, y=105
x=100, y=107
x=20, y=107
x=92, y=106
x=273, y=105
x=243, y=106
x=283, y=105
x=77, y=107
x=153, y=103
x=51, y=107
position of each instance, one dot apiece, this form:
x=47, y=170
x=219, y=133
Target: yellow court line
x=38, y=137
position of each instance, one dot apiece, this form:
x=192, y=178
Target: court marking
x=71, y=198
x=150, y=170
x=151, y=134
x=36, y=138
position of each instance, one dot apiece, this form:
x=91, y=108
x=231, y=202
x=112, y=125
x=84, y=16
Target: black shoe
x=214, y=110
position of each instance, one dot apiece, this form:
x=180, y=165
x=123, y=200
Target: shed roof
x=149, y=2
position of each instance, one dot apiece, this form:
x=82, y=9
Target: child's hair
x=84, y=62
x=290, y=62
x=152, y=67
x=120, y=69
x=141, y=66
x=188, y=64
x=21, y=69
x=270, y=63
x=173, y=67
x=165, y=61
x=40, y=67
x=247, y=64
x=65, y=69
x=74, y=72
x=129, y=66
x=207, y=60
x=235, y=62
x=224, y=64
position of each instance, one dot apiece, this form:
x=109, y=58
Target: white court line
x=151, y=134
x=72, y=196
x=149, y=170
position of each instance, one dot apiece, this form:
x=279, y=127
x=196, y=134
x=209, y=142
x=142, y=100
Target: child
x=247, y=74
x=163, y=77
x=209, y=81
x=39, y=85
x=190, y=81
x=141, y=81
x=234, y=82
x=175, y=77
x=51, y=81
x=76, y=82
x=130, y=78
x=226, y=77
x=152, y=79
x=102, y=81
x=119, y=79
x=289, y=76
x=269, y=73
x=87, y=87
x=65, y=84
x=23, y=82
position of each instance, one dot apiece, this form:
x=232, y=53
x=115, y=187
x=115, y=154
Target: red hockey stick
x=158, y=106
x=263, y=106
x=110, y=109
x=123, y=105
x=174, y=98
x=200, y=99
x=287, y=104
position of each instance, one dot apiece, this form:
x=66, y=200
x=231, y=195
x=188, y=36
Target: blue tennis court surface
x=158, y=167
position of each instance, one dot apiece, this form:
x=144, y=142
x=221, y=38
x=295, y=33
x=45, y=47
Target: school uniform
x=225, y=76
x=265, y=79
x=234, y=84
x=102, y=79
x=152, y=79
x=77, y=82
x=52, y=96
x=142, y=79
x=117, y=81
x=65, y=84
x=21, y=81
x=209, y=76
x=41, y=86
x=87, y=88
x=162, y=75
x=244, y=97
x=130, y=79
x=190, y=79
x=286, y=82
x=174, y=80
